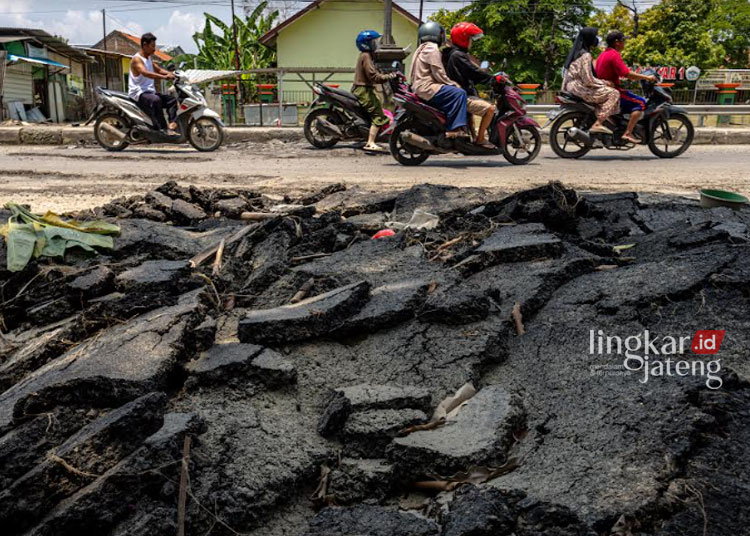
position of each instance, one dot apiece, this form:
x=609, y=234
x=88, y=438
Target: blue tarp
x=41, y=61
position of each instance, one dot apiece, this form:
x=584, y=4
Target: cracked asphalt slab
x=85, y=177
x=385, y=331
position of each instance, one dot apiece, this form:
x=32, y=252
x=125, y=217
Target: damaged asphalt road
x=306, y=364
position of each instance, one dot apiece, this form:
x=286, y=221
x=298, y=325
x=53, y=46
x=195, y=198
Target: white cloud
x=84, y=27
x=179, y=30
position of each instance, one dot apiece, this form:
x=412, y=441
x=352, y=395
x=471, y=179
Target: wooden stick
x=303, y=290
x=183, y=488
x=309, y=257
x=206, y=254
x=518, y=318
x=217, y=262
x=260, y=216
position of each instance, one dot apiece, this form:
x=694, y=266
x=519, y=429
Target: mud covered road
x=84, y=177
x=304, y=368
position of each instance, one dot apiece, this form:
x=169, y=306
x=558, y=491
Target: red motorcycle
x=420, y=128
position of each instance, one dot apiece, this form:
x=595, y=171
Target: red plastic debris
x=384, y=233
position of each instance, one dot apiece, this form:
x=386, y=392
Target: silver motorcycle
x=121, y=123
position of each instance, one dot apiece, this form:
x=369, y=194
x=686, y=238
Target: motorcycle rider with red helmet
x=461, y=67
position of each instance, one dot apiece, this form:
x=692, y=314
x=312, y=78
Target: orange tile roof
x=137, y=40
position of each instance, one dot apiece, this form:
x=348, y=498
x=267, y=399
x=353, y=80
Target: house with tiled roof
x=128, y=44
x=322, y=35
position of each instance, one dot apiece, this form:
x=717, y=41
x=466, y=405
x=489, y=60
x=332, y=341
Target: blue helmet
x=365, y=39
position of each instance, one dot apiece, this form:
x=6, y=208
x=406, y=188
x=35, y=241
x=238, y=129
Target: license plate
x=553, y=113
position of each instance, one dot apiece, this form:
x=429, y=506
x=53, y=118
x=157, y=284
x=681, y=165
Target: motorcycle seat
x=570, y=96
x=118, y=94
x=341, y=93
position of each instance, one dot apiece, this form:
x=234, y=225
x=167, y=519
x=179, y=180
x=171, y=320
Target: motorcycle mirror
x=484, y=65
x=171, y=67
x=182, y=65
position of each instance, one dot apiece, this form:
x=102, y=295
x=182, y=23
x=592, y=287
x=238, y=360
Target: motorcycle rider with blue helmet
x=366, y=77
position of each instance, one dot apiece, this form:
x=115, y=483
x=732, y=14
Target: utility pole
x=104, y=30
x=421, y=9
x=236, y=57
x=388, y=23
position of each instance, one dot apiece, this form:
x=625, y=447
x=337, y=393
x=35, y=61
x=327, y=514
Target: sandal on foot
x=485, y=145
x=374, y=149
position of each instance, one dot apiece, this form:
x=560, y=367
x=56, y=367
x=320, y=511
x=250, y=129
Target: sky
x=172, y=21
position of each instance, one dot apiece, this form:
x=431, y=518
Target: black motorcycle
x=337, y=115
x=664, y=127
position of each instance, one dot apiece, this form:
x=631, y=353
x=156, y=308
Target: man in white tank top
x=141, y=87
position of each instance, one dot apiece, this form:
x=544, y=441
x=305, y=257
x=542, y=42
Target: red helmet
x=463, y=33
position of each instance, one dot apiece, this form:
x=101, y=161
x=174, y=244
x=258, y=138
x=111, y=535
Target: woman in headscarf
x=579, y=79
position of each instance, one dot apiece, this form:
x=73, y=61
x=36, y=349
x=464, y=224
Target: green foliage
x=730, y=20
x=706, y=33
x=533, y=37
x=676, y=32
x=28, y=235
x=216, y=43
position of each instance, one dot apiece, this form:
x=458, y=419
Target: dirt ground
x=71, y=178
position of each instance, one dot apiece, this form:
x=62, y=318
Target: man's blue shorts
x=630, y=102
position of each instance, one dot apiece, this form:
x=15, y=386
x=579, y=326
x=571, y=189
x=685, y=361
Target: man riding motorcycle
x=610, y=68
x=141, y=87
x=460, y=67
x=431, y=83
x=366, y=77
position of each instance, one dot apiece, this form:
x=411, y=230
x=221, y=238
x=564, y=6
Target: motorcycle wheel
x=205, y=134
x=317, y=138
x=681, y=136
x=529, y=145
x=106, y=139
x=561, y=144
x=404, y=154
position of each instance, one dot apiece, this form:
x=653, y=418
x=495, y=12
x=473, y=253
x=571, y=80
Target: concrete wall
x=325, y=37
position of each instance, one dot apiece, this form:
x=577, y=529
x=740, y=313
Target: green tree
x=216, y=48
x=619, y=18
x=532, y=37
x=730, y=21
x=677, y=32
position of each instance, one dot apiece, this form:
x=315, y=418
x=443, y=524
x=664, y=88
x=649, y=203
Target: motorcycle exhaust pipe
x=579, y=135
x=112, y=130
x=418, y=141
x=328, y=127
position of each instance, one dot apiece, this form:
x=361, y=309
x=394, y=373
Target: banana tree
x=216, y=49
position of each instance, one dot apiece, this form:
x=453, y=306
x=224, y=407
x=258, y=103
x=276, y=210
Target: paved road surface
x=60, y=178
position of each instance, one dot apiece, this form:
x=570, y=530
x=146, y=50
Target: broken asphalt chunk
x=309, y=318
x=365, y=520
x=367, y=433
x=389, y=305
x=82, y=458
x=514, y=243
x=154, y=276
x=93, y=283
x=480, y=433
x=123, y=362
x=360, y=479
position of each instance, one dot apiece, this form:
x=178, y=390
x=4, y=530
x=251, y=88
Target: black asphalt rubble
x=306, y=363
